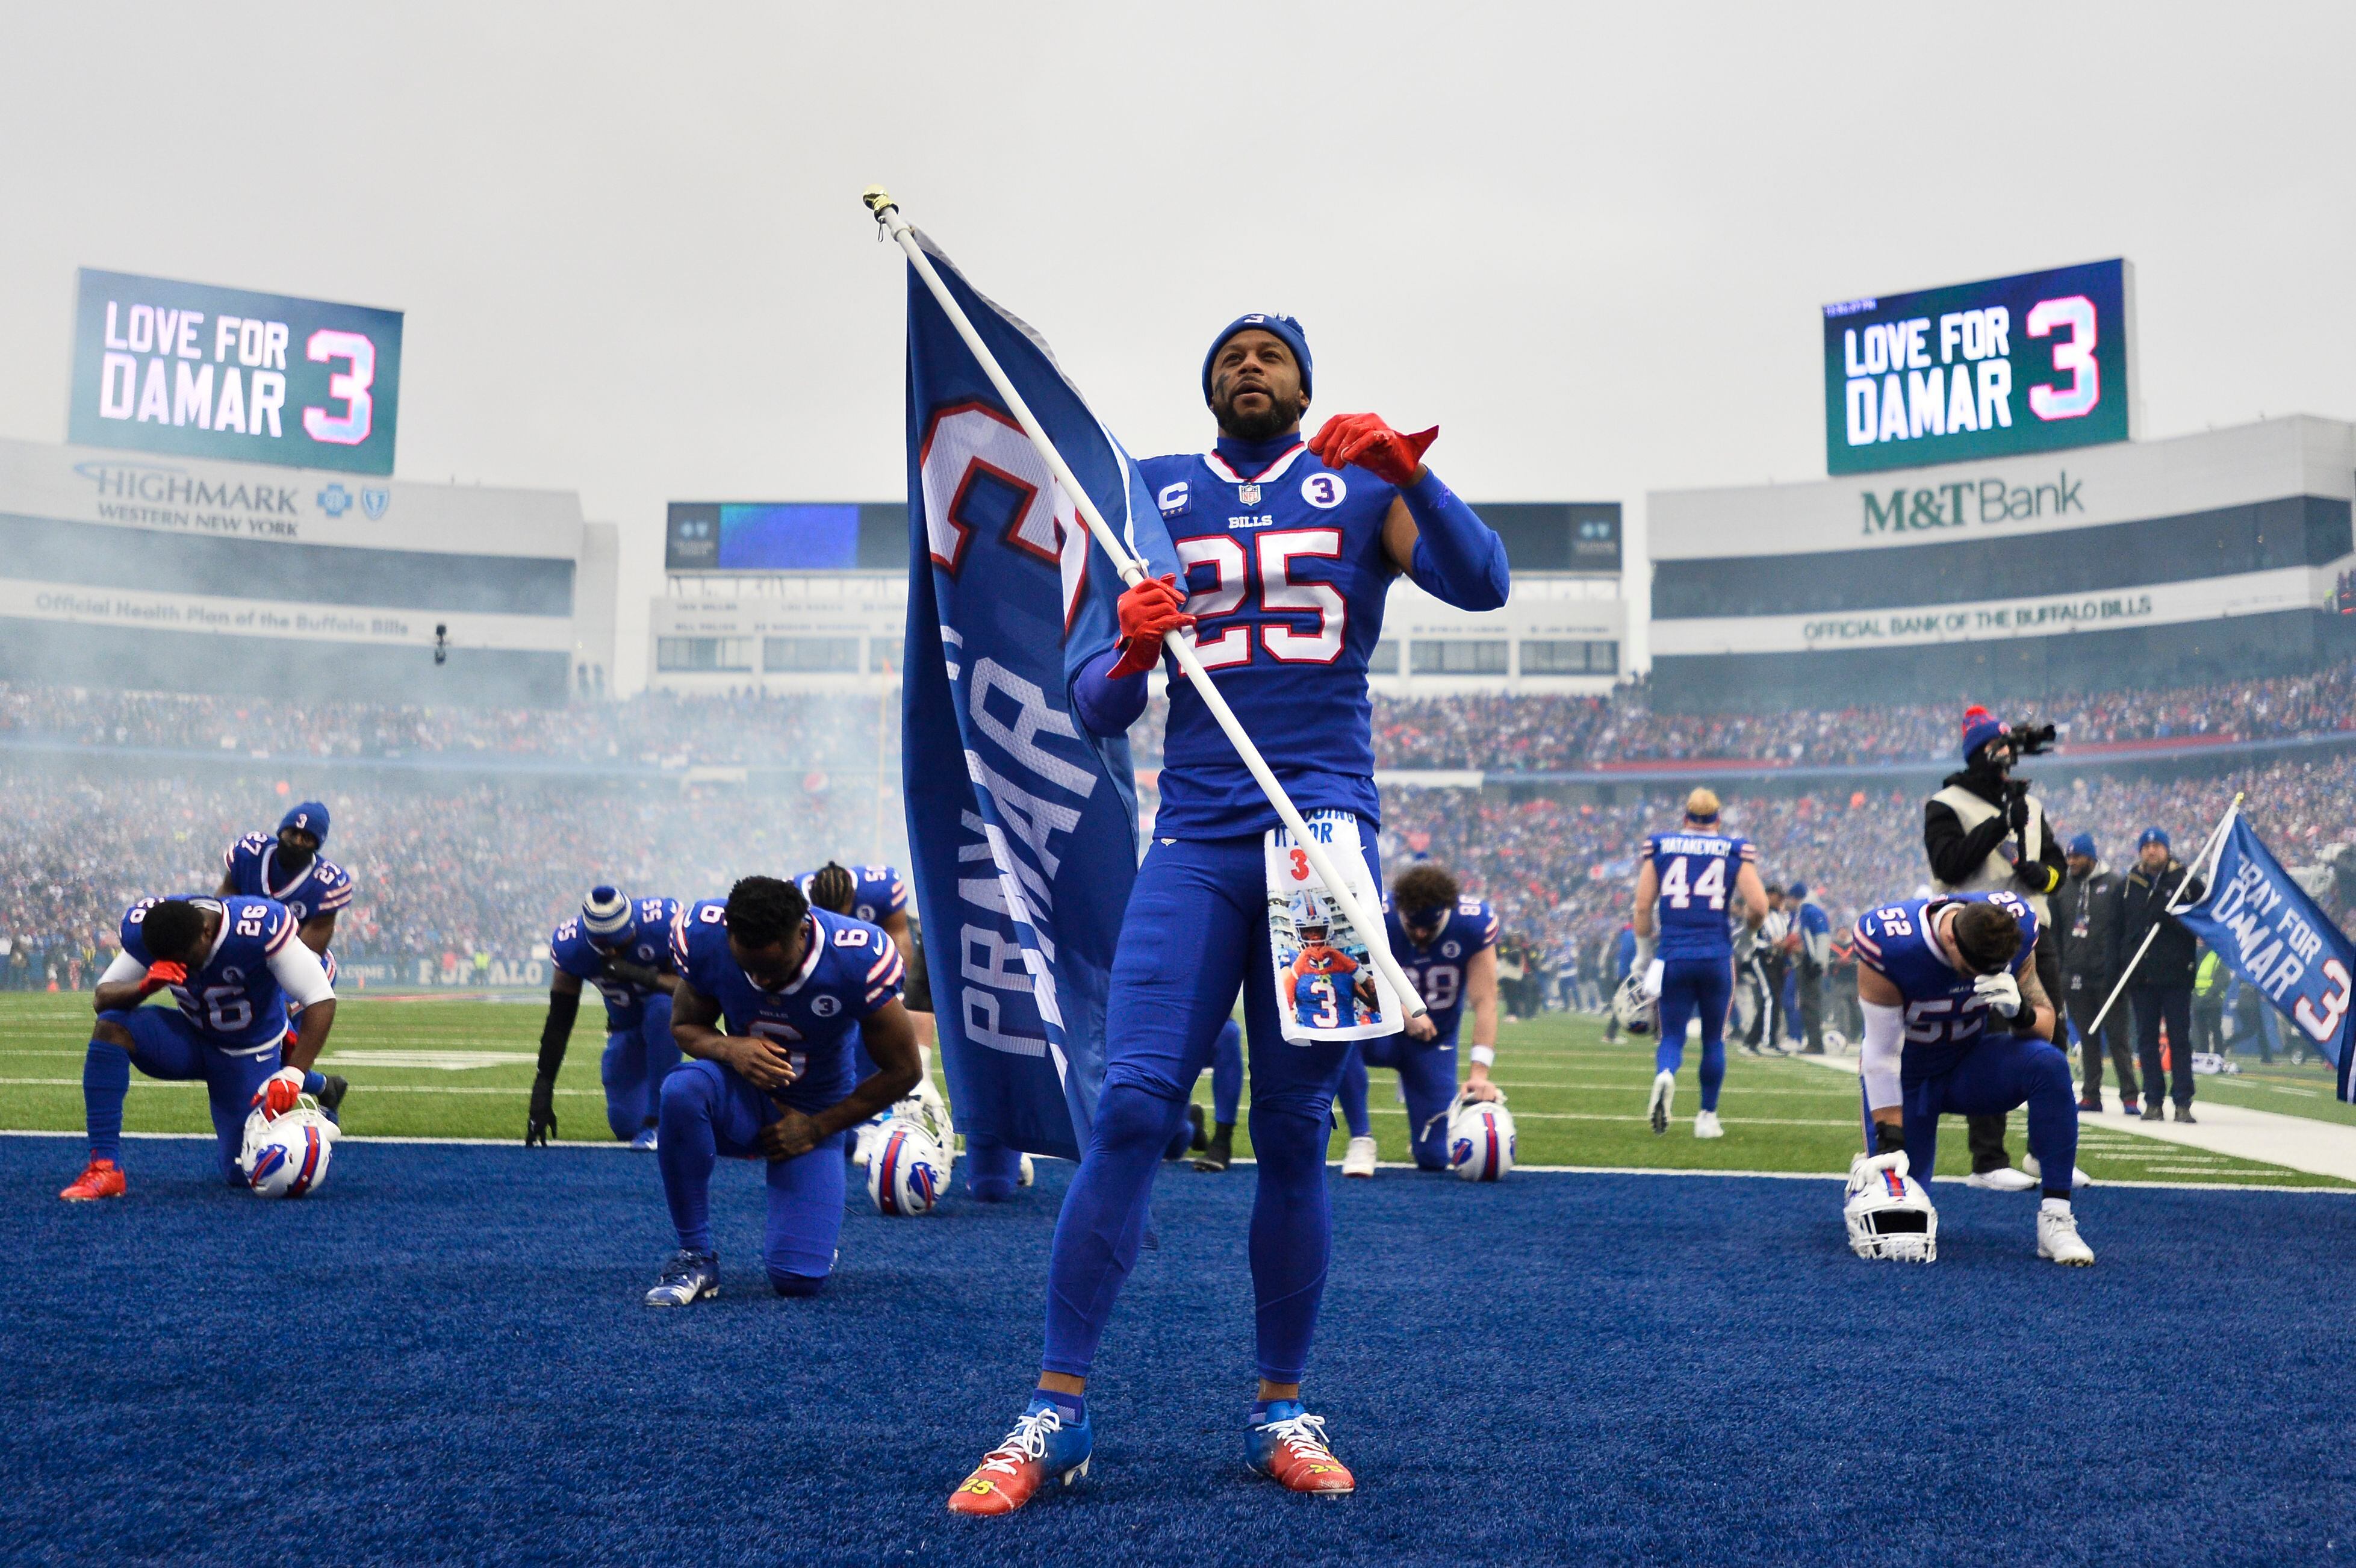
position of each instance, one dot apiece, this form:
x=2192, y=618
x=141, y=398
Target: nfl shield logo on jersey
x=1247, y=494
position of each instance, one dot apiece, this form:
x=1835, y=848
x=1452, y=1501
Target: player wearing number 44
x=1685, y=946
x=233, y=965
x=1288, y=548
x=793, y=985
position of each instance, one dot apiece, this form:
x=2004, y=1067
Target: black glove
x=542, y=1125
x=2019, y=815
x=630, y=973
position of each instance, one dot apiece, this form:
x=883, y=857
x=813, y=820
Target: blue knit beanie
x=1284, y=327
x=1980, y=726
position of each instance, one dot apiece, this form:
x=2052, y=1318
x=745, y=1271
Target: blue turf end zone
x=441, y=1356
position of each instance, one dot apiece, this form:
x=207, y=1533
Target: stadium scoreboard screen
x=786, y=536
x=2030, y=363
x=224, y=373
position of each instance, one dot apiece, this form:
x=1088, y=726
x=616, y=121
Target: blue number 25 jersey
x=322, y=888
x=1945, y=1016
x=1285, y=574
x=849, y=970
x=1696, y=873
x=1438, y=968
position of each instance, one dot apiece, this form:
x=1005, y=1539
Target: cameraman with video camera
x=1985, y=833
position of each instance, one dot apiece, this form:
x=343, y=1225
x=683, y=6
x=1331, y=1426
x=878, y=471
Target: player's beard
x=1275, y=420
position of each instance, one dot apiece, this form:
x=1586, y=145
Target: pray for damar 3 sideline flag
x=2263, y=924
x=1021, y=826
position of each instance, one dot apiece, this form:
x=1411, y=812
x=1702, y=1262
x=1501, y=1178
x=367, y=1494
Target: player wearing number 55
x=233, y=965
x=792, y=985
x=1288, y=548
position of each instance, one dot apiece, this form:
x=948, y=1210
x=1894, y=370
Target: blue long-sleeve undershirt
x=1458, y=558
x=1105, y=705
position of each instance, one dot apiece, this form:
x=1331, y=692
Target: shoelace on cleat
x=682, y=1267
x=1304, y=1435
x=1027, y=1441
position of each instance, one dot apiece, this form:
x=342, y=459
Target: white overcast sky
x=1588, y=242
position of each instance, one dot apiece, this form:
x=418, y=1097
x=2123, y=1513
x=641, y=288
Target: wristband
x=1484, y=1056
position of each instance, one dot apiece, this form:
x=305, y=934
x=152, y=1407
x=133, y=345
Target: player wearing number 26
x=792, y=985
x=1288, y=548
x=233, y=965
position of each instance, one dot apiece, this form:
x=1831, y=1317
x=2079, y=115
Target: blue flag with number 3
x=2270, y=933
x=1021, y=826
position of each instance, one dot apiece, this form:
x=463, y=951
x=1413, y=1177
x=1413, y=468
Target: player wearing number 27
x=1685, y=945
x=1288, y=548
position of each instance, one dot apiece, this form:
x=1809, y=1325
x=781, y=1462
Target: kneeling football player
x=622, y=946
x=232, y=964
x=793, y=985
x=1956, y=1022
x=1448, y=945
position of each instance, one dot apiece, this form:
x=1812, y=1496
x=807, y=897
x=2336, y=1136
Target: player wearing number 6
x=233, y=965
x=794, y=985
x=1288, y=548
x=1685, y=945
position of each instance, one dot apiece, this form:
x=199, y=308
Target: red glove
x=279, y=1091
x=160, y=975
x=1150, y=607
x=1365, y=440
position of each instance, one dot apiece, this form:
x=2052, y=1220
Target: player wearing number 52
x=1686, y=882
x=1287, y=549
x=792, y=985
x=233, y=965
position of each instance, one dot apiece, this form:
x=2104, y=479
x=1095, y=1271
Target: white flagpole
x=2213, y=846
x=887, y=213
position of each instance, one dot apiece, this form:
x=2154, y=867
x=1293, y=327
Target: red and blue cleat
x=101, y=1178
x=1290, y=1448
x=1040, y=1449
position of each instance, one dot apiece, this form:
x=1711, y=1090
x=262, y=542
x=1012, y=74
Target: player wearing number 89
x=793, y=985
x=1955, y=1021
x=1288, y=548
x=1685, y=945
x=1448, y=945
x=232, y=964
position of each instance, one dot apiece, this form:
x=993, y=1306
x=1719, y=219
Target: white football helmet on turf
x=286, y=1156
x=1480, y=1140
x=1637, y=1012
x=908, y=1172
x=1888, y=1212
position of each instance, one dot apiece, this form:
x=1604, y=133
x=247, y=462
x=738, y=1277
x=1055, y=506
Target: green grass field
x=461, y=1067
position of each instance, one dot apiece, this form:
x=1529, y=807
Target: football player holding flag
x=1288, y=548
x=1448, y=945
x=233, y=965
x=290, y=868
x=1955, y=1021
x=793, y=985
x=1685, y=946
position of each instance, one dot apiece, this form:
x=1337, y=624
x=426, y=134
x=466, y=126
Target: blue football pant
x=1691, y=987
x=708, y=1111
x=1427, y=1072
x=165, y=1044
x=1195, y=931
x=2001, y=1072
x=634, y=1067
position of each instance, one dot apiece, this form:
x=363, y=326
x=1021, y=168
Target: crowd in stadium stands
x=451, y=865
x=445, y=868
x=1561, y=873
x=1562, y=734
x=655, y=728
x=1498, y=734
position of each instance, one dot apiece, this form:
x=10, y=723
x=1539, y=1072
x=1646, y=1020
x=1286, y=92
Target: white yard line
x=2269, y=1137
